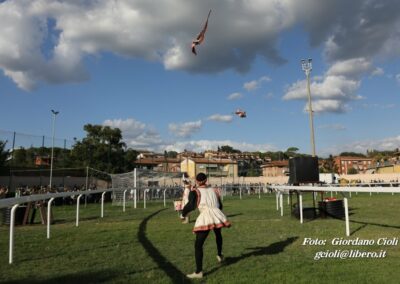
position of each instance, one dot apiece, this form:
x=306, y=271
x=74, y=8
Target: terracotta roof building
x=345, y=163
x=159, y=164
x=275, y=168
x=211, y=167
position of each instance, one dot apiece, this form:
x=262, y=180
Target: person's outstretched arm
x=191, y=205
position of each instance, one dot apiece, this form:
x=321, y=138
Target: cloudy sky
x=128, y=64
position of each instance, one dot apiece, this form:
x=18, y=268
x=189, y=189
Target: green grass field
x=152, y=246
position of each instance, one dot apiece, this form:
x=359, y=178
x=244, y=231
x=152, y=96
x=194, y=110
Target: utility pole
x=306, y=65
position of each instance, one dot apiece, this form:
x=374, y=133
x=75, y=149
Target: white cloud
x=221, y=118
x=185, y=129
x=48, y=40
x=255, y=84
x=398, y=77
x=202, y=145
x=335, y=106
x=136, y=134
x=388, y=143
x=250, y=86
x=140, y=136
x=235, y=96
x=336, y=88
x=351, y=68
x=378, y=72
x=269, y=95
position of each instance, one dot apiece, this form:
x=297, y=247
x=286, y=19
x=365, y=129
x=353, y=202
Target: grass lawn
x=152, y=246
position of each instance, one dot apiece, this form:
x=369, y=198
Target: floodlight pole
x=52, y=147
x=306, y=65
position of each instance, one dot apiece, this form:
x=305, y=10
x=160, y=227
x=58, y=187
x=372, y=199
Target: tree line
x=103, y=149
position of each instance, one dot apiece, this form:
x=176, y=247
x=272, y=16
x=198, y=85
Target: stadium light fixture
x=306, y=65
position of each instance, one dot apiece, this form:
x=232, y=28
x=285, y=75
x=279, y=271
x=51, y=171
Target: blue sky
x=128, y=64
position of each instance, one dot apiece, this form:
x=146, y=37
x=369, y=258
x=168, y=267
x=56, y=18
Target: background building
x=347, y=165
x=211, y=167
x=275, y=168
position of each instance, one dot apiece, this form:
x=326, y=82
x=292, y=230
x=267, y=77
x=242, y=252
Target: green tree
x=3, y=154
x=228, y=149
x=20, y=158
x=102, y=148
x=172, y=154
x=291, y=152
x=352, y=154
x=352, y=171
x=130, y=158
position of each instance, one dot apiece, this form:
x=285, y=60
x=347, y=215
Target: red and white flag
x=200, y=38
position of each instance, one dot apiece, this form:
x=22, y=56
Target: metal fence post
x=346, y=212
x=301, y=208
x=12, y=223
x=124, y=200
x=102, y=204
x=49, y=216
x=77, y=209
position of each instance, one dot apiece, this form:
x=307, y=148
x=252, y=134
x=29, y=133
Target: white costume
x=211, y=216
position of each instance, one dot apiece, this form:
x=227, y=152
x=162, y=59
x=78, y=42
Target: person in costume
x=208, y=201
x=187, y=187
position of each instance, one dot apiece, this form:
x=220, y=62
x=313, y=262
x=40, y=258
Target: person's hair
x=201, y=178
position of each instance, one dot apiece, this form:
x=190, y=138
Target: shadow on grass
x=274, y=248
x=365, y=223
x=375, y=224
x=88, y=277
x=163, y=263
x=234, y=215
x=358, y=229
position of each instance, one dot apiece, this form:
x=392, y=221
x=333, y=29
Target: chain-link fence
x=17, y=140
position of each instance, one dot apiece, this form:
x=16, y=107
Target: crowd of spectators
x=3, y=191
x=25, y=190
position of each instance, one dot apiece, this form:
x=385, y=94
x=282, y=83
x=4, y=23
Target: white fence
x=371, y=188
x=15, y=202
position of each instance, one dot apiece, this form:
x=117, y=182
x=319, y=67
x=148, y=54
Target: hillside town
x=103, y=151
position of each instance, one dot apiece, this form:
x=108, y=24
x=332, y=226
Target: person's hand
x=181, y=216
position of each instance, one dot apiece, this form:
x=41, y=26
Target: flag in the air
x=200, y=37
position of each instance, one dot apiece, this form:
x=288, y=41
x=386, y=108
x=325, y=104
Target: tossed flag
x=200, y=37
x=240, y=113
